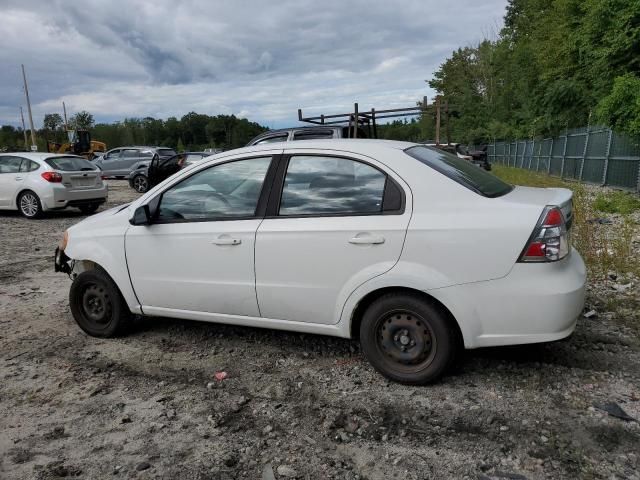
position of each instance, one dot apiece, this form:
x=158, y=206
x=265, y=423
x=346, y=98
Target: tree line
x=191, y=132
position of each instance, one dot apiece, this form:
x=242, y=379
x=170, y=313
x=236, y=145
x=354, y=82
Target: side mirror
x=141, y=216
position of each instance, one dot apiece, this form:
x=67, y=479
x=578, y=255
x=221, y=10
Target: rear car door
x=11, y=178
x=198, y=254
x=333, y=222
x=129, y=158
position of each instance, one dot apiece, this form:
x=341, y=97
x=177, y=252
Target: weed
x=617, y=202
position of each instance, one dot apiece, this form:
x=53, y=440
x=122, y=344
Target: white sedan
x=410, y=249
x=33, y=183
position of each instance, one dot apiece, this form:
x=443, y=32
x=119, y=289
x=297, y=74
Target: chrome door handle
x=226, y=240
x=367, y=239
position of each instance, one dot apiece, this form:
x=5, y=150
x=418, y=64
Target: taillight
x=53, y=177
x=549, y=241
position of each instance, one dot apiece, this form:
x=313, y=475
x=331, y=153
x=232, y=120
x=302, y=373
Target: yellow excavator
x=79, y=143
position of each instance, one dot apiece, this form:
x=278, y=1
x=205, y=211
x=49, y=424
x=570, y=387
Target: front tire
x=140, y=183
x=98, y=306
x=29, y=205
x=407, y=339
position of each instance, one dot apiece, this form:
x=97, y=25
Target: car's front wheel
x=407, y=339
x=29, y=204
x=98, y=306
x=140, y=183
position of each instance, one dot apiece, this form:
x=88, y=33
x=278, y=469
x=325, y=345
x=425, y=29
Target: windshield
x=70, y=164
x=460, y=170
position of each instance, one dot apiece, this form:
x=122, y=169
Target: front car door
x=110, y=161
x=11, y=178
x=198, y=254
x=333, y=222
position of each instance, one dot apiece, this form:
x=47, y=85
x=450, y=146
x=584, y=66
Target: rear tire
x=98, y=306
x=29, y=205
x=407, y=339
x=140, y=183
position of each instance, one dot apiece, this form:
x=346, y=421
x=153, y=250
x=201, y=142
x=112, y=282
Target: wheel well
x=368, y=299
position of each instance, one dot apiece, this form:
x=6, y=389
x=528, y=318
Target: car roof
x=302, y=127
x=362, y=146
x=40, y=155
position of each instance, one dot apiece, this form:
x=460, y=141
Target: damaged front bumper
x=62, y=262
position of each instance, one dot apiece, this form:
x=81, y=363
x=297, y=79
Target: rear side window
x=313, y=134
x=461, y=171
x=70, y=164
x=331, y=186
x=166, y=152
x=28, y=166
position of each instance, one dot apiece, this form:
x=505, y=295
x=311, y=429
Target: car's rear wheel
x=90, y=208
x=97, y=305
x=29, y=204
x=140, y=183
x=407, y=339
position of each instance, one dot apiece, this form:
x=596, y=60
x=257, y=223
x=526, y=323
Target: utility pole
x=64, y=110
x=24, y=130
x=446, y=110
x=34, y=146
x=438, y=120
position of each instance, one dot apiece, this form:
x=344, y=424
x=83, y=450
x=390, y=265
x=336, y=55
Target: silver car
x=120, y=162
x=33, y=183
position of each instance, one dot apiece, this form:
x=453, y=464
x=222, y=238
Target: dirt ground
x=298, y=406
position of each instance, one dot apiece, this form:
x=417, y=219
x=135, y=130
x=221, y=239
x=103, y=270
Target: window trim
x=262, y=197
x=273, y=205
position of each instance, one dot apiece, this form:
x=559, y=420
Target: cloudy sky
x=258, y=59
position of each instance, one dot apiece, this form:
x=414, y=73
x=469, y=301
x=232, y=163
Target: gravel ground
x=298, y=406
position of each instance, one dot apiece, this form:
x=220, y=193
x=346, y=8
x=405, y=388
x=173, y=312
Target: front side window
x=228, y=190
x=166, y=152
x=10, y=164
x=317, y=185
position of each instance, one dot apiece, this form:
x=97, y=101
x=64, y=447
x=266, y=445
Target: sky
x=256, y=59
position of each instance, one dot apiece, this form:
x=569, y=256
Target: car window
x=461, y=171
x=130, y=153
x=10, y=164
x=317, y=185
x=274, y=139
x=112, y=155
x=166, y=152
x=146, y=153
x=28, y=166
x=228, y=190
x=313, y=134
x=70, y=164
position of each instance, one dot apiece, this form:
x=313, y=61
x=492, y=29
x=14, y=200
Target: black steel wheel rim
x=96, y=305
x=405, y=341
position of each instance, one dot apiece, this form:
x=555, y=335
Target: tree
x=82, y=120
x=52, y=121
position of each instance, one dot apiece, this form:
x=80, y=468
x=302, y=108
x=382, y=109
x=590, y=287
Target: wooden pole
x=34, y=146
x=24, y=130
x=446, y=109
x=64, y=110
x=438, y=120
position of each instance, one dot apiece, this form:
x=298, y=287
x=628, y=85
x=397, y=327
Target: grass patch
x=604, y=248
x=617, y=202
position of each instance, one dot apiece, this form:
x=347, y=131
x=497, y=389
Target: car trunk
x=81, y=180
x=541, y=197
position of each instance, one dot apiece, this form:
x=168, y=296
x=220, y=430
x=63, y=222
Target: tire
x=29, y=205
x=140, y=183
x=89, y=209
x=407, y=339
x=98, y=306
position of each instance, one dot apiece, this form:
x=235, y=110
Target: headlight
x=65, y=239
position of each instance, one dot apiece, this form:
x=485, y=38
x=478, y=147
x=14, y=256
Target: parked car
x=320, y=132
x=478, y=157
x=410, y=249
x=120, y=162
x=146, y=176
x=33, y=183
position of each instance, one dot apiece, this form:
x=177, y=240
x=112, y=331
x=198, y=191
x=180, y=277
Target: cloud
x=161, y=57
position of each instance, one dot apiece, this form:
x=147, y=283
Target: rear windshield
x=461, y=171
x=165, y=152
x=70, y=164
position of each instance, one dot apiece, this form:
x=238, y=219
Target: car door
x=333, y=222
x=110, y=161
x=129, y=158
x=11, y=178
x=198, y=254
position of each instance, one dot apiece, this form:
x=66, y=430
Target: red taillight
x=53, y=177
x=549, y=241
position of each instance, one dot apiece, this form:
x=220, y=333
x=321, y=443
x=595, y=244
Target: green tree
x=82, y=120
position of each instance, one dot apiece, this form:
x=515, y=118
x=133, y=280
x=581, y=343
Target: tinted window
x=227, y=190
x=277, y=138
x=146, y=153
x=166, y=152
x=461, y=171
x=329, y=185
x=70, y=164
x=313, y=134
x=10, y=164
x=131, y=153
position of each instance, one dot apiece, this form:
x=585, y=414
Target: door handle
x=226, y=240
x=17, y=179
x=367, y=239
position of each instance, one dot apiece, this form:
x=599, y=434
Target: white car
x=34, y=183
x=408, y=248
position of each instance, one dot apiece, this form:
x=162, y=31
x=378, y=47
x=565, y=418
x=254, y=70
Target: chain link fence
x=593, y=154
